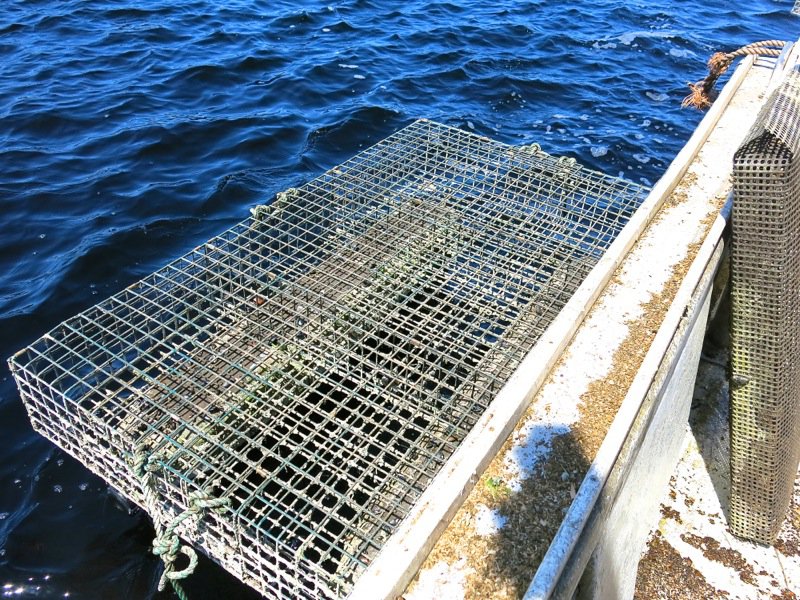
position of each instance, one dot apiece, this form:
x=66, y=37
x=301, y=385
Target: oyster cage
x=318, y=363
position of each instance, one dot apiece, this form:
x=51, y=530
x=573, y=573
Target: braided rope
x=145, y=468
x=702, y=91
x=767, y=43
x=167, y=544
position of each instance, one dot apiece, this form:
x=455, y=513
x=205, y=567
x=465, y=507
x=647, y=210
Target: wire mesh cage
x=319, y=362
x=765, y=332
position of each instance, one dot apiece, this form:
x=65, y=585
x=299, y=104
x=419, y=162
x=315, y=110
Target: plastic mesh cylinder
x=765, y=331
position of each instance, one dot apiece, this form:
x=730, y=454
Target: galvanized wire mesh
x=765, y=333
x=318, y=363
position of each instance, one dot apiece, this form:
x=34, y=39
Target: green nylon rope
x=167, y=544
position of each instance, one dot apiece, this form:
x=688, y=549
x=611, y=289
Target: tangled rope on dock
x=702, y=92
x=166, y=544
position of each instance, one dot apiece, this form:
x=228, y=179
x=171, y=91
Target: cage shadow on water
x=318, y=363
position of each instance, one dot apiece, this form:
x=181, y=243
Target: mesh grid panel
x=318, y=363
x=765, y=334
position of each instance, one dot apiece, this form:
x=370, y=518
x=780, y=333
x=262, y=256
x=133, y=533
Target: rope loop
x=167, y=545
x=174, y=576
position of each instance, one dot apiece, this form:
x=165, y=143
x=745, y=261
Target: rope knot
x=167, y=545
x=702, y=93
x=534, y=148
x=144, y=463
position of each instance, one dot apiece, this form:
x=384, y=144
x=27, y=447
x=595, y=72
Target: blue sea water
x=132, y=131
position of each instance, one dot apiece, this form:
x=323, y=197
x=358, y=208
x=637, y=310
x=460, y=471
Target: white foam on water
x=681, y=53
x=657, y=96
x=604, y=46
x=628, y=38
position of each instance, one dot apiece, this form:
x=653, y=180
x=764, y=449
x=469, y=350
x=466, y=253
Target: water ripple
x=130, y=132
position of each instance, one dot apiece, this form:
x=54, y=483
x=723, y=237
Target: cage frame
x=483, y=439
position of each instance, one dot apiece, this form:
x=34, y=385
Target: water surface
x=130, y=132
